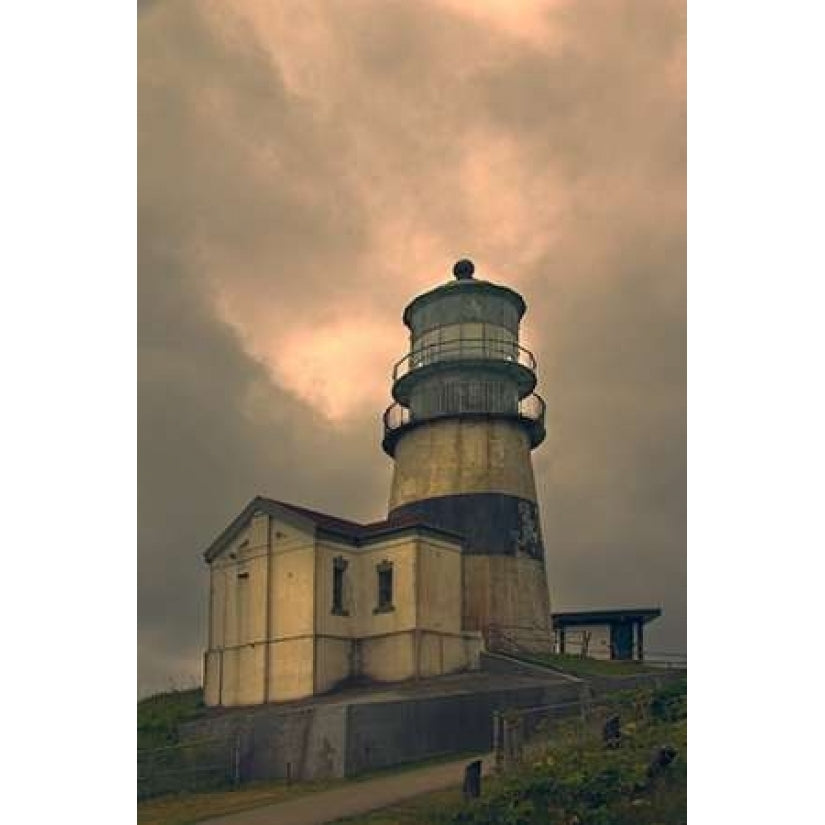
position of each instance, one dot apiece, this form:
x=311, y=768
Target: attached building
x=302, y=602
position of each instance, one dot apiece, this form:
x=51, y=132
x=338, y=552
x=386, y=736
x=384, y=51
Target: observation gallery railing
x=466, y=349
x=532, y=409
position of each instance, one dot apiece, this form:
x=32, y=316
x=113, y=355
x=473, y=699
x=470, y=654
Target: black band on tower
x=493, y=524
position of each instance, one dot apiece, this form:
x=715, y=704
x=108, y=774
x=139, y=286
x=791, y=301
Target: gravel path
x=355, y=798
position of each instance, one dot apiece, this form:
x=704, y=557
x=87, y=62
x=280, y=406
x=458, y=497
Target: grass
x=580, y=666
x=190, y=807
x=572, y=783
x=187, y=808
x=661, y=803
x=420, y=810
x=599, y=786
x=159, y=716
x=158, y=721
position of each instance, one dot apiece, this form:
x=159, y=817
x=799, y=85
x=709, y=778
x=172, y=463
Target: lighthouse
x=302, y=602
x=461, y=430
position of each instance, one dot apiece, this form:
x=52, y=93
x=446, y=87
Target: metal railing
x=517, y=639
x=469, y=349
x=532, y=409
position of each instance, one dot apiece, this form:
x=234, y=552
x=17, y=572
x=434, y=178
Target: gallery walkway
x=357, y=797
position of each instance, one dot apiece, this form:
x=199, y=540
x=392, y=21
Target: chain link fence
x=526, y=734
x=206, y=764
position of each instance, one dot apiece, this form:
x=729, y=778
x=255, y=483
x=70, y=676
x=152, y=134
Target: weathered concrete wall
x=293, y=592
x=389, y=733
x=462, y=456
x=440, y=577
x=361, y=588
x=388, y=658
x=462, y=652
x=274, y=635
x=333, y=662
x=311, y=741
x=511, y=592
x=441, y=653
x=430, y=654
x=212, y=678
x=291, y=669
x=345, y=740
x=261, y=616
x=402, y=554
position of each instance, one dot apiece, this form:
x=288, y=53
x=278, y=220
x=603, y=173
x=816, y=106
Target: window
x=242, y=627
x=339, y=566
x=384, y=587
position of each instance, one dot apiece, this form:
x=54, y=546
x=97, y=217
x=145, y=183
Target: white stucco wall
x=258, y=597
x=273, y=635
x=598, y=646
x=388, y=658
x=291, y=669
x=440, y=593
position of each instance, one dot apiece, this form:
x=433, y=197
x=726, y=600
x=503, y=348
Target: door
x=621, y=641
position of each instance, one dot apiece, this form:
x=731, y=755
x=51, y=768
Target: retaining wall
x=337, y=740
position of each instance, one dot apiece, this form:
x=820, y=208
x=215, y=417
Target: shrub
x=159, y=716
x=593, y=785
x=669, y=704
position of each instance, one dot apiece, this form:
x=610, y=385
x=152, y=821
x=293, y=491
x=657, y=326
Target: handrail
x=533, y=408
x=466, y=348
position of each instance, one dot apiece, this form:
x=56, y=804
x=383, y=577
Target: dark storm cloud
x=213, y=432
x=305, y=168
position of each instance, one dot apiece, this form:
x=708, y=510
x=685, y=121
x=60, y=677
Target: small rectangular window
x=339, y=566
x=384, y=587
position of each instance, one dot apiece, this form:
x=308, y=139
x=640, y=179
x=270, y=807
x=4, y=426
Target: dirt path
x=354, y=798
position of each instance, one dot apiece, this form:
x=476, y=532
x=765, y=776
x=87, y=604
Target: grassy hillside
x=575, y=783
x=159, y=716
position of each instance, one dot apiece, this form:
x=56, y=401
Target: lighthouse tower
x=461, y=430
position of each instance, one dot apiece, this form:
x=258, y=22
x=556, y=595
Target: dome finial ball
x=464, y=269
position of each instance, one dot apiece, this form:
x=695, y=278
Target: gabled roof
x=586, y=617
x=323, y=524
x=323, y=520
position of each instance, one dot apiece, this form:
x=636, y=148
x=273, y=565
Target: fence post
x=472, y=780
x=497, y=743
x=236, y=767
x=586, y=705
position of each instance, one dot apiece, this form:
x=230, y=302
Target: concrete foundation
x=360, y=731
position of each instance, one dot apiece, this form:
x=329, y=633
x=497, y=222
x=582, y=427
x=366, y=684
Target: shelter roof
x=587, y=617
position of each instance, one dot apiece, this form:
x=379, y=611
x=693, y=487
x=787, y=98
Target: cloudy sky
x=305, y=168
